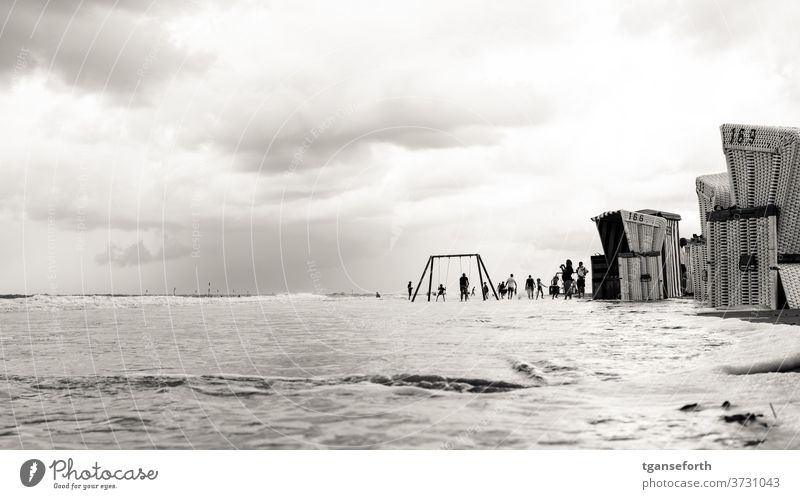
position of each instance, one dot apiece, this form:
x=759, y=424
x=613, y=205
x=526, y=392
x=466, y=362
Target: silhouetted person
x=554, y=287
x=410, y=289
x=501, y=288
x=529, y=285
x=485, y=291
x=463, y=283
x=581, y=272
x=566, y=277
x=539, y=290
x=441, y=292
x=511, y=286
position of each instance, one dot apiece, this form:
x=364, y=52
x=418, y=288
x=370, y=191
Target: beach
x=309, y=371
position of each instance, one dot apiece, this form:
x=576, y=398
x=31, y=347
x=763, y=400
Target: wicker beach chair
x=713, y=192
x=641, y=270
x=698, y=258
x=670, y=253
x=764, y=167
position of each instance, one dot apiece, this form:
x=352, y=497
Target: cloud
x=363, y=135
x=121, y=49
x=138, y=254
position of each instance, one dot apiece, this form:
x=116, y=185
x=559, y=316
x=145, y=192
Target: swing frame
x=432, y=259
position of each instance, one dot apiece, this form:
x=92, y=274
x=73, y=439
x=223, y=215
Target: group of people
x=534, y=288
x=571, y=286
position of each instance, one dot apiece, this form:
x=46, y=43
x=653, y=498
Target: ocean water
x=304, y=371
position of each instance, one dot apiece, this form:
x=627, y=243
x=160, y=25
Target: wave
x=245, y=386
x=17, y=303
x=781, y=365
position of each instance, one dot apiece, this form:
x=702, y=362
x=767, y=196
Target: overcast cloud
x=156, y=144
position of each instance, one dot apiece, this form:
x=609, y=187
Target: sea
x=303, y=371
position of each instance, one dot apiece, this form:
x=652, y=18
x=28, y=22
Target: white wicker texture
x=717, y=264
x=697, y=264
x=645, y=233
x=790, y=278
x=632, y=286
x=764, y=167
x=712, y=190
x=728, y=241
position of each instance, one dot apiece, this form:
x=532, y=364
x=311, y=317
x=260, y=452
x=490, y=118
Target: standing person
x=501, y=288
x=473, y=291
x=581, y=272
x=511, y=286
x=529, y=285
x=539, y=290
x=554, y=287
x=463, y=283
x=441, y=292
x=566, y=276
x=485, y=291
x=410, y=289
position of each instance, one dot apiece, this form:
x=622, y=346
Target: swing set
x=434, y=259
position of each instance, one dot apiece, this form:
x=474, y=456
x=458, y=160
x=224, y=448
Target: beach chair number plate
x=742, y=136
x=747, y=263
x=636, y=216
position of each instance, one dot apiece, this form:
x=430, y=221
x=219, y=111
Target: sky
x=269, y=147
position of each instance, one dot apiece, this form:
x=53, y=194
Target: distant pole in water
x=173, y=291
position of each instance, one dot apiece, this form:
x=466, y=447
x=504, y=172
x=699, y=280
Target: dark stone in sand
x=436, y=382
x=417, y=378
x=690, y=408
x=743, y=419
x=460, y=387
x=726, y=405
x=754, y=443
x=381, y=380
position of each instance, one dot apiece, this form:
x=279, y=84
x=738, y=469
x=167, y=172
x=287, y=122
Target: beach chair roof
x=623, y=231
x=662, y=214
x=713, y=190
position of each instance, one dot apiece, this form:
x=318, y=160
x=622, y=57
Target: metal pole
x=430, y=280
x=420, y=280
x=489, y=278
x=480, y=276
